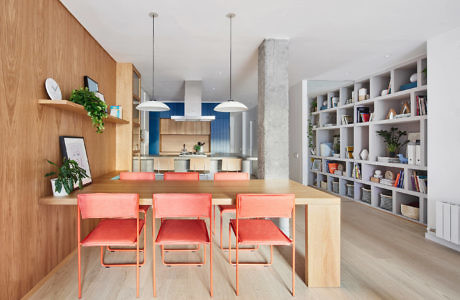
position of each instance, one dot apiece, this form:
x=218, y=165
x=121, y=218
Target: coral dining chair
x=120, y=225
x=181, y=176
x=250, y=229
x=182, y=231
x=228, y=209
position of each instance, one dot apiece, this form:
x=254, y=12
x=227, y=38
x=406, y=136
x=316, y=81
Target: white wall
x=443, y=120
x=297, y=132
x=249, y=133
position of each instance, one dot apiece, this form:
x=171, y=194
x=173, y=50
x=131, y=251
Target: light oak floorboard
x=383, y=257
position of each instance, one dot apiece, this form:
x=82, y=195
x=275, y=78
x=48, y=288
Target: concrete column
x=273, y=114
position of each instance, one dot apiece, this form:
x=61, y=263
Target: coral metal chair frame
x=133, y=176
x=181, y=176
x=182, y=231
x=229, y=176
x=250, y=207
x=118, y=212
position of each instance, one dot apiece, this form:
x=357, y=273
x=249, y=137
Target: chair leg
x=153, y=255
x=293, y=269
x=183, y=263
x=137, y=266
x=79, y=270
x=210, y=266
x=237, y=279
x=119, y=264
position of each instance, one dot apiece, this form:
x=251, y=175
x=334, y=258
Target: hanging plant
x=96, y=108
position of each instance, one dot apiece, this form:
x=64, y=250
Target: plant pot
x=392, y=154
x=62, y=193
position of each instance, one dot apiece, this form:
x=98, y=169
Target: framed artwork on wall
x=91, y=84
x=73, y=147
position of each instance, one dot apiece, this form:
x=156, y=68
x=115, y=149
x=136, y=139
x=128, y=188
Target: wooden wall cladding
x=40, y=39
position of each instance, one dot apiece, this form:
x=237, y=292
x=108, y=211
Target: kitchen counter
x=216, y=156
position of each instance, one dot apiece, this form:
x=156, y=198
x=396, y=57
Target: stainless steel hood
x=192, y=103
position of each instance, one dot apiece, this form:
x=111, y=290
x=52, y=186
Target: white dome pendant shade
x=231, y=105
x=153, y=105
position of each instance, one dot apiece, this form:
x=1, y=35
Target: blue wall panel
x=220, y=128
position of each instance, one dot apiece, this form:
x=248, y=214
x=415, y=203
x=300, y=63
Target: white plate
x=53, y=90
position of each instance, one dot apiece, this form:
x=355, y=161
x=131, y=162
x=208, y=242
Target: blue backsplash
x=220, y=127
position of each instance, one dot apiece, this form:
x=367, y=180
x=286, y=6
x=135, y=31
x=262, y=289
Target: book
x=361, y=110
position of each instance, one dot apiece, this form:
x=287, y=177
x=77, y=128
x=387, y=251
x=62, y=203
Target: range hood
x=192, y=103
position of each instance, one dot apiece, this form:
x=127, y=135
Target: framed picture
x=73, y=147
x=91, y=84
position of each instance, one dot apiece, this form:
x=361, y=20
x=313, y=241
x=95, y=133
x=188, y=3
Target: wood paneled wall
x=40, y=39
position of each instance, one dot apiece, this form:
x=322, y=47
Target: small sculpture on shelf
x=402, y=159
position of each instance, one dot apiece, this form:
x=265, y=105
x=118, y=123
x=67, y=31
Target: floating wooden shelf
x=70, y=106
x=136, y=123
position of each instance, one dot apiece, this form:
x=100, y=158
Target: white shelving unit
x=328, y=123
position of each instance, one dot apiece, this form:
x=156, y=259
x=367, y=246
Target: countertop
x=216, y=156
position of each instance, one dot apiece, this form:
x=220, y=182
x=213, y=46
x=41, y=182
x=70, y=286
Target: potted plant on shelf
x=96, y=108
x=199, y=147
x=314, y=104
x=68, y=174
x=392, y=138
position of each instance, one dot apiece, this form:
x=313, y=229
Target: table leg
x=322, y=245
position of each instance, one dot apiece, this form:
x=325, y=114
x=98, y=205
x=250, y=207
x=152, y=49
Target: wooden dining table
x=322, y=212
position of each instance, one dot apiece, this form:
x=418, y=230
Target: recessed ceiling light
x=387, y=55
x=213, y=89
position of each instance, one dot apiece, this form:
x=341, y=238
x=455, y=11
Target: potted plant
x=314, y=104
x=310, y=137
x=199, y=147
x=392, y=138
x=68, y=174
x=96, y=108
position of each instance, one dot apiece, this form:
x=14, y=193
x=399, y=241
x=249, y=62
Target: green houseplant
x=96, y=108
x=392, y=138
x=68, y=174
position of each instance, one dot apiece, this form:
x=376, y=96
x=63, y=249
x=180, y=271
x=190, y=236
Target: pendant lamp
x=153, y=105
x=231, y=105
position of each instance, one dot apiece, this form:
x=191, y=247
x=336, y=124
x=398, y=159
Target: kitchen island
x=182, y=162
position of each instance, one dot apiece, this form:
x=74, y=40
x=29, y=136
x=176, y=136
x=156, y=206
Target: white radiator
x=448, y=221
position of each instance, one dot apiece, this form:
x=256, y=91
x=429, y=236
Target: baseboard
x=432, y=237
x=44, y=279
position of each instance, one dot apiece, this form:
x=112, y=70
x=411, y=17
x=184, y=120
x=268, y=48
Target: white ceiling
x=329, y=39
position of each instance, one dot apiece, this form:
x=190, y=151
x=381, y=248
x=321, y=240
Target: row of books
x=421, y=105
x=399, y=182
x=357, y=171
x=419, y=182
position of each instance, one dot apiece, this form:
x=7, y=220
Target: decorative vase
x=392, y=153
x=62, y=193
x=364, y=154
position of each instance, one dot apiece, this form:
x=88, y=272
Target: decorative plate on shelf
x=53, y=90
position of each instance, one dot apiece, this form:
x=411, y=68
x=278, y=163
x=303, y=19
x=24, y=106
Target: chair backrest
x=184, y=176
x=137, y=176
x=182, y=205
x=265, y=205
x=108, y=205
x=228, y=176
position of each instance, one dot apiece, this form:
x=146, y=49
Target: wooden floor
x=383, y=257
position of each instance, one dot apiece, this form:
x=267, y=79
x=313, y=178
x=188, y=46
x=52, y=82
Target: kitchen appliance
x=192, y=103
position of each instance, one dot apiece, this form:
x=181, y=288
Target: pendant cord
x=230, y=58
x=153, y=59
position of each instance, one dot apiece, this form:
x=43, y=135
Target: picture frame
x=73, y=147
x=91, y=84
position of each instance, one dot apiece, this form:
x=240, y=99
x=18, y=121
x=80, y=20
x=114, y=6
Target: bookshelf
x=328, y=123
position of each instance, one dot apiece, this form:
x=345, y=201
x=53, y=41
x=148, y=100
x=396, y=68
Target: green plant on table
x=96, y=108
x=68, y=174
x=392, y=139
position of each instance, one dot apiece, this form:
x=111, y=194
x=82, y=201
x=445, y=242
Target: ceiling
x=329, y=39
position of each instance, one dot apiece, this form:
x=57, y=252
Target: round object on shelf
x=384, y=93
x=53, y=90
x=364, y=154
x=389, y=175
x=413, y=77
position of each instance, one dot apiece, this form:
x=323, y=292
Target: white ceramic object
x=53, y=89
x=384, y=92
x=326, y=149
x=62, y=193
x=413, y=77
x=364, y=154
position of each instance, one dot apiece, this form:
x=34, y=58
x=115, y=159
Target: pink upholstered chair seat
x=182, y=231
x=113, y=232
x=259, y=231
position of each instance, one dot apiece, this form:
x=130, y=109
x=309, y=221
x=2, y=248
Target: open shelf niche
x=388, y=89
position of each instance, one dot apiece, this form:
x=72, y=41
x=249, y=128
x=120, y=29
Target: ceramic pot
x=62, y=193
x=364, y=154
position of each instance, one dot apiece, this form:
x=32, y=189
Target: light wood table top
x=222, y=192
